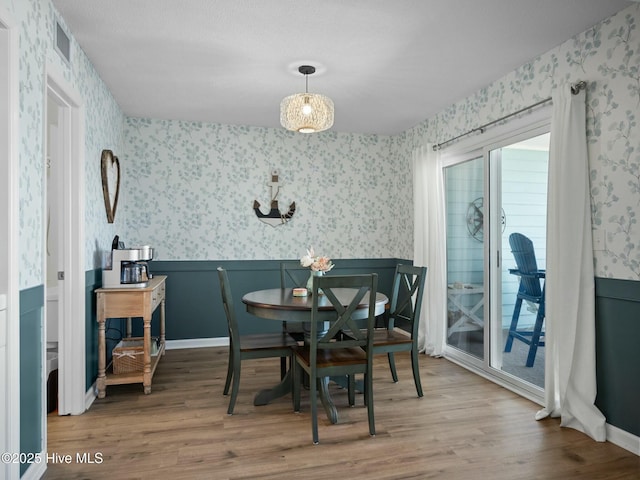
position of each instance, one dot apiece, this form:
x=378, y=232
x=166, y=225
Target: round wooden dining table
x=280, y=304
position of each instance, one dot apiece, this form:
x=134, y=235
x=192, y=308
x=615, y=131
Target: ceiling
x=387, y=65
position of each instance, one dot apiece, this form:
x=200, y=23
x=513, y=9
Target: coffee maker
x=128, y=268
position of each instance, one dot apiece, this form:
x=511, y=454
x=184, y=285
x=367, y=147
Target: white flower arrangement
x=316, y=263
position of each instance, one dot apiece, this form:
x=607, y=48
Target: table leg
x=146, y=375
x=329, y=407
x=162, y=329
x=101, y=381
x=263, y=397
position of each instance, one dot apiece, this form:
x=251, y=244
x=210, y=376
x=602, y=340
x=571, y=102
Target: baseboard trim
x=197, y=343
x=90, y=396
x=623, y=439
x=36, y=470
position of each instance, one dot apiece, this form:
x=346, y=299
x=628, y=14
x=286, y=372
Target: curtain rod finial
x=576, y=87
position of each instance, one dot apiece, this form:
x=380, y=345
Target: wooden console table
x=127, y=303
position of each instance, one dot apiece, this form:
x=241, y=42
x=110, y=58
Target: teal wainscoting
x=31, y=411
x=617, y=352
x=93, y=280
x=193, y=304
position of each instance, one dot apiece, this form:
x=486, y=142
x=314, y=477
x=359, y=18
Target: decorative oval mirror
x=110, y=169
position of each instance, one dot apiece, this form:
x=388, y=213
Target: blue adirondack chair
x=531, y=289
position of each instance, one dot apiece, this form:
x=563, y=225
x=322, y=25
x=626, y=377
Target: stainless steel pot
x=133, y=272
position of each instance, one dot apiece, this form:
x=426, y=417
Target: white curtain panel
x=570, y=361
x=429, y=243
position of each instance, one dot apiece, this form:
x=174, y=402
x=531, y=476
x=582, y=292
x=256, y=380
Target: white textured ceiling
x=387, y=64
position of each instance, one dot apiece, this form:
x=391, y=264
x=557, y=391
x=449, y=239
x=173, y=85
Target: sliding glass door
x=490, y=194
x=520, y=172
x=464, y=191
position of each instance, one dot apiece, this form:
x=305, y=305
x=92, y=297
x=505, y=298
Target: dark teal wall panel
x=93, y=280
x=31, y=410
x=193, y=305
x=617, y=352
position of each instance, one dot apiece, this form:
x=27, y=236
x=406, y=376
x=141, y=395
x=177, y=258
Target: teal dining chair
x=293, y=274
x=330, y=353
x=406, y=304
x=529, y=290
x=244, y=347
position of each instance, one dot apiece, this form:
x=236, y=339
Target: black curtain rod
x=575, y=88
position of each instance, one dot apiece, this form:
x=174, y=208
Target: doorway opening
x=54, y=220
x=64, y=245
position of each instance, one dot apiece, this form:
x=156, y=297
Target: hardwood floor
x=463, y=428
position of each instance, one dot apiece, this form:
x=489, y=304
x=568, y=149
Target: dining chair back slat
x=293, y=274
x=227, y=304
x=344, y=322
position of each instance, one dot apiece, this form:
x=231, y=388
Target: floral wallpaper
x=188, y=187
x=607, y=57
x=103, y=129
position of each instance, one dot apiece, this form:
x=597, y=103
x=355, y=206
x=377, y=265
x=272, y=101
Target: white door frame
x=9, y=184
x=530, y=125
x=71, y=357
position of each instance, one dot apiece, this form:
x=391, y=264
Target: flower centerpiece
x=318, y=264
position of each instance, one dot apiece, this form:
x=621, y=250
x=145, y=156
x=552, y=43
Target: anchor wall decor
x=274, y=217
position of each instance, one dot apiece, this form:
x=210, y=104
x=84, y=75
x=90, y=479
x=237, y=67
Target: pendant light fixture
x=306, y=112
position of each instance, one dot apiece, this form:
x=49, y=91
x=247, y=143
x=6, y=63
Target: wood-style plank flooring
x=465, y=427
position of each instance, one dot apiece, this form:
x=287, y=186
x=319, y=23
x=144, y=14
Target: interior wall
x=103, y=118
x=189, y=189
x=604, y=56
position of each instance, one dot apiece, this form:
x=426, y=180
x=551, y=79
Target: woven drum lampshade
x=306, y=112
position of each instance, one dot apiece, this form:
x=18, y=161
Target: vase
x=313, y=273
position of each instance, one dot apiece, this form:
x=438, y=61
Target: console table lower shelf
x=133, y=377
x=127, y=302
